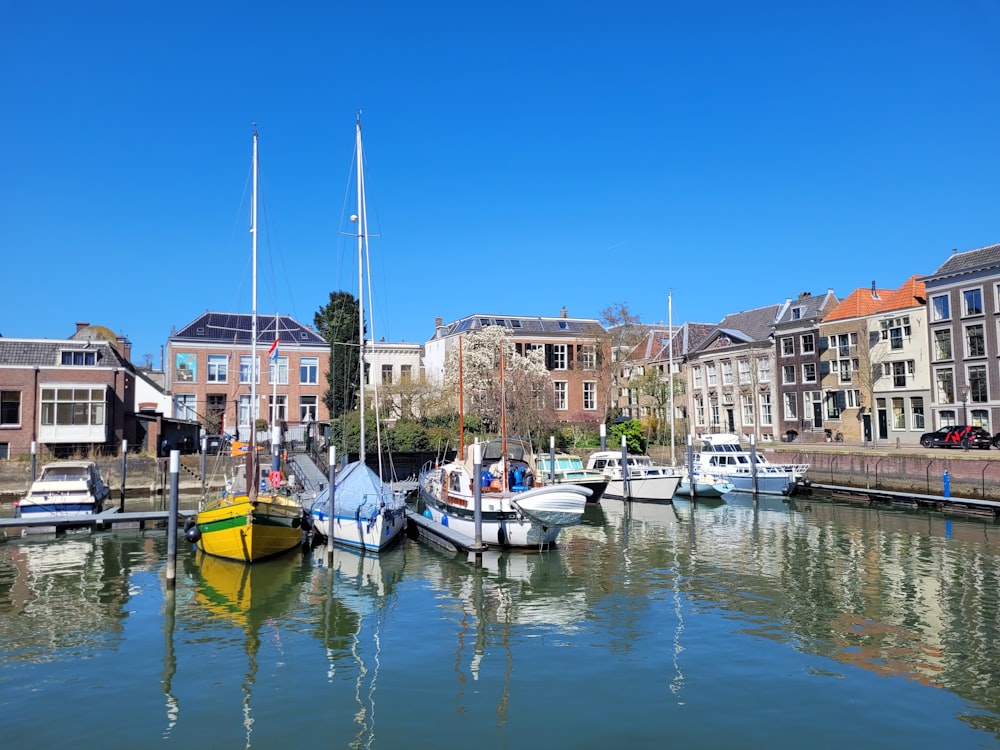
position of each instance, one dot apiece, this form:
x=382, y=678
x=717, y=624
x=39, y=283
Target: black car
x=958, y=436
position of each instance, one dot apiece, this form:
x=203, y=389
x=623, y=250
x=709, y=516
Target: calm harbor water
x=775, y=623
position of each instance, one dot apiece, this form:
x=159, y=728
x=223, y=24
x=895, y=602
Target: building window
x=307, y=408
x=944, y=381
x=245, y=367
x=560, y=389
x=853, y=399
x=590, y=395
x=218, y=368
x=975, y=343
x=4, y=451
x=309, y=370
x=386, y=374
x=277, y=408
x=942, y=344
x=559, y=356
x=72, y=406
x=808, y=343
x=764, y=370
x=791, y=406
x=243, y=413
x=711, y=377
x=746, y=402
x=846, y=368
x=699, y=410
x=980, y=418
x=898, y=414
x=898, y=374
x=977, y=384
x=10, y=408
x=973, y=301
x=917, y=412
x=696, y=376
x=727, y=372
x=787, y=346
x=833, y=404
x=215, y=409
x=277, y=371
x=766, y=412
x=809, y=372
x=947, y=418
x=940, y=308
x=185, y=407
x=588, y=357
x=894, y=330
x=788, y=374
x=79, y=358
x=744, y=371
x=405, y=373
x=185, y=368
x=846, y=342
x=714, y=410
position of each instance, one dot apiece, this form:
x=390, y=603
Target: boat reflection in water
x=253, y=599
x=352, y=592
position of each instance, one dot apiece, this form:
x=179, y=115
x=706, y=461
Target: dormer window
x=200, y=331
x=79, y=358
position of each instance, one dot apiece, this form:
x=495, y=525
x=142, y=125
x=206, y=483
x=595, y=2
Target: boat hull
x=236, y=528
x=371, y=534
x=767, y=484
x=658, y=489
x=705, y=487
x=554, y=504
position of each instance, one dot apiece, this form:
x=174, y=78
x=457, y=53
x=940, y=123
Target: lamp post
x=963, y=393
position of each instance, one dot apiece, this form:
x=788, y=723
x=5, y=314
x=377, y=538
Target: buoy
x=428, y=514
x=444, y=520
x=191, y=531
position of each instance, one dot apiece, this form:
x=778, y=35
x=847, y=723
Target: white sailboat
x=362, y=511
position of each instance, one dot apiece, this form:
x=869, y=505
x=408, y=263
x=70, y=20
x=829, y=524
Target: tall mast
x=670, y=373
x=252, y=447
x=360, y=219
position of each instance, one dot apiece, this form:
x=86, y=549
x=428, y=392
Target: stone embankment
x=973, y=474
x=143, y=476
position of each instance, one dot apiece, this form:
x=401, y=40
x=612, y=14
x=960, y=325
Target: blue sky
x=521, y=156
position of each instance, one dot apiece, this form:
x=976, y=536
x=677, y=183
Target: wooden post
x=124, y=471
x=477, y=494
x=331, y=471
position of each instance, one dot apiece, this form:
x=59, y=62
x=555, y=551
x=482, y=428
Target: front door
x=817, y=415
x=730, y=420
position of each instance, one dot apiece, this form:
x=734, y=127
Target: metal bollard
x=947, y=484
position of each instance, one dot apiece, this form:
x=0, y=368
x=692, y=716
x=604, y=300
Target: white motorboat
x=705, y=485
x=65, y=488
x=514, y=511
x=643, y=480
x=570, y=470
x=722, y=456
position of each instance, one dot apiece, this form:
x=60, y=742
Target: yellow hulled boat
x=248, y=528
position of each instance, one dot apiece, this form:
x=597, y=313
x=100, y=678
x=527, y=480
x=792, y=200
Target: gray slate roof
x=228, y=329
x=982, y=258
x=47, y=352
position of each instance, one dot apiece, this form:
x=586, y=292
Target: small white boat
x=514, y=511
x=643, y=481
x=705, y=485
x=723, y=457
x=367, y=514
x=570, y=470
x=66, y=488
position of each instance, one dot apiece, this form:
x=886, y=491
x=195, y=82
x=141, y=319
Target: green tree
x=337, y=323
x=635, y=437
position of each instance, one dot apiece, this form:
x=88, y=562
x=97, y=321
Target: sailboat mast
x=670, y=367
x=252, y=445
x=361, y=293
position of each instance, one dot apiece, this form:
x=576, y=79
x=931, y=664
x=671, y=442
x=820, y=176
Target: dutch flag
x=273, y=351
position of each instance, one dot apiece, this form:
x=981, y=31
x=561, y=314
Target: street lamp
x=963, y=393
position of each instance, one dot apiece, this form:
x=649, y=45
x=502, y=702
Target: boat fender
x=501, y=537
x=306, y=522
x=444, y=520
x=428, y=514
x=191, y=531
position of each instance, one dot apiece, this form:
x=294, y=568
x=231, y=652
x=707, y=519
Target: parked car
x=996, y=440
x=956, y=437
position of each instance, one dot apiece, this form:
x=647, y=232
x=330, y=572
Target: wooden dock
x=109, y=519
x=953, y=505
x=441, y=536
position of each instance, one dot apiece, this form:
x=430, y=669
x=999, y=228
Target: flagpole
x=275, y=429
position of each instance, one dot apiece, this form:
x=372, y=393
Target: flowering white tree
x=526, y=389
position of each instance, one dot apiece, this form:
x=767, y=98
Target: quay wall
x=143, y=477
x=973, y=474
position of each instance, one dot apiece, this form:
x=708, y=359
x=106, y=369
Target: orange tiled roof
x=862, y=302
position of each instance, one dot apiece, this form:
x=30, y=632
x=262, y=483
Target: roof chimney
x=563, y=313
x=438, y=322
x=81, y=326
x=124, y=347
